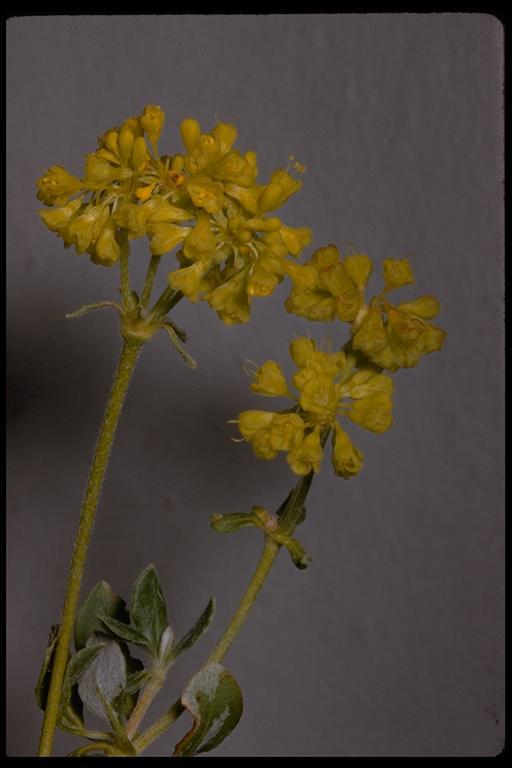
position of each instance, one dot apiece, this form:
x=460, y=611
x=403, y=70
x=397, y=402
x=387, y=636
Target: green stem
x=144, y=702
x=150, y=279
x=124, y=267
x=288, y=521
x=267, y=558
x=129, y=354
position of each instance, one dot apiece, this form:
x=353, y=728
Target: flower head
x=205, y=201
x=391, y=336
x=329, y=386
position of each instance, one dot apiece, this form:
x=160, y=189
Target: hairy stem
x=289, y=519
x=124, y=269
x=144, y=702
x=129, y=354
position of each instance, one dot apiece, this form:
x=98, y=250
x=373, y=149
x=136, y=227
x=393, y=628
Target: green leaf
x=214, y=699
x=91, y=307
x=43, y=683
x=75, y=668
x=231, y=522
x=112, y=718
x=136, y=680
x=125, y=702
x=195, y=632
x=177, y=344
x=298, y=554
x=106, y=674
x=124, y=631
x=147, y=608
x=101, y=601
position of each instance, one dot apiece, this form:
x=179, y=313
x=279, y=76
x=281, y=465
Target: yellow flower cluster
x=328, y=385
x=328, y=287
x=205, y=200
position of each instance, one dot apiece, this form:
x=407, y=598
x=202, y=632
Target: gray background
x=391, y=643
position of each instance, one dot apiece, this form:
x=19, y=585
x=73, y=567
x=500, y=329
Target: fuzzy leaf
x=124, y=631
x=125, y=702
x=196, y=631
x=177, y=344
x=147, y=608
x=231, y=522
x=298, y=554
x=43, y=683
x=76, y=667
x=106, y=674
x=136, y=680
x=214, y=699
x=101, y=601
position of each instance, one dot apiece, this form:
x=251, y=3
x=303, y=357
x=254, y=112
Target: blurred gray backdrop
x=391, y=643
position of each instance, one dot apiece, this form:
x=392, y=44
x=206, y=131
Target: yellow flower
x=107, y=250
x=269, y=380
x=152, y=121
x=307, y=457
x=56, y=186
x=347, y=460
x=397, y=272
x=165, y=237
x=397, y=337
x=325, y=287
x=250, y=422
x=286, y=431
x=329, y=385
x=211, y=186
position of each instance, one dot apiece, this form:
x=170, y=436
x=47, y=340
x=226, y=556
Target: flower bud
x=133, y=218
x=126, y=141
x=139, y=154
x=190, y=133
x=261, y=282
x=166, y=237
x=296, y=239
x=57, y=219
x=152, y=121
x=359, y=267
x=206, y=194
x=347, y=460
x=107, y=250
x=226, y=136
x=397, y=272
x=373, y=412
x=188, y=280
x=85, y=229
x=425, y=307
x=177, y=163
x=250, y=422
x=98, y=172
x=301, y=350
x=270, y=198
x=308, y=456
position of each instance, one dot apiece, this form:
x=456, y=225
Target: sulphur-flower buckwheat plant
x=206, y=204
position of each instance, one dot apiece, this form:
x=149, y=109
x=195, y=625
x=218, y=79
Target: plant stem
x=267, y=558
x=288, y=521
x=129, y=354
x=124, y=269
x=150, y=279
x=143, y=703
